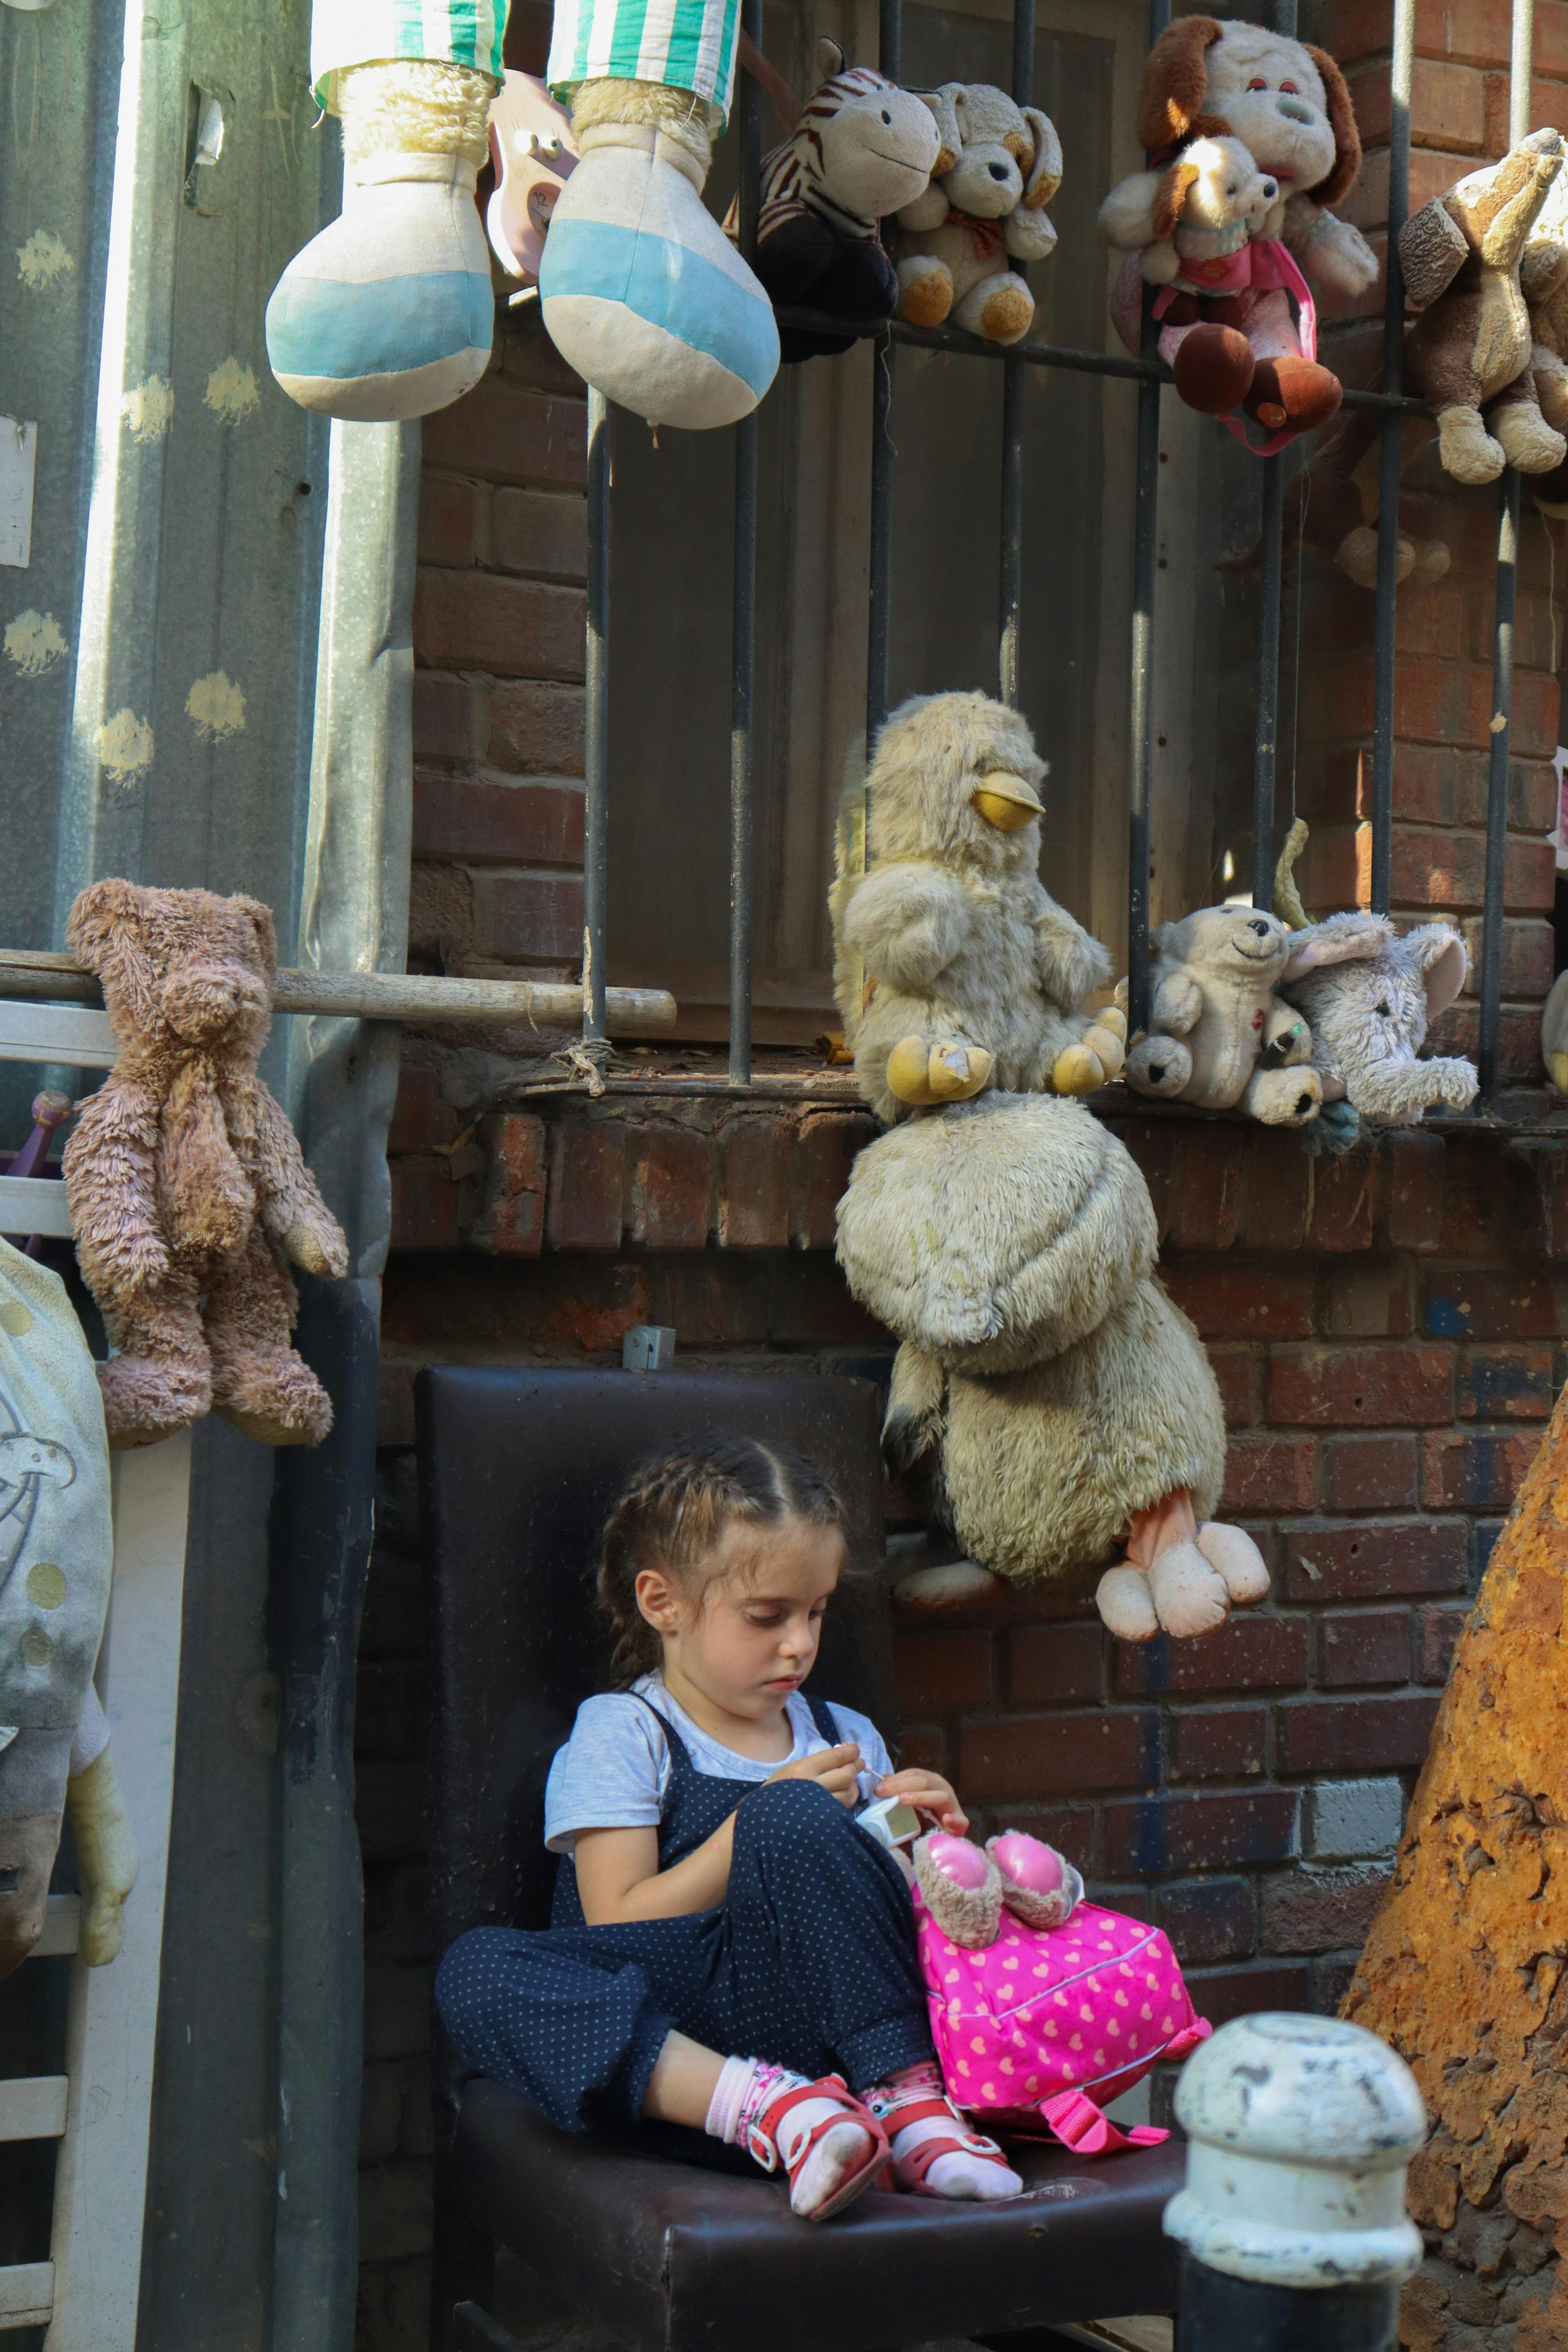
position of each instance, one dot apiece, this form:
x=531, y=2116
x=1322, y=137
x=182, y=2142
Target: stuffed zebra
x=862, y=149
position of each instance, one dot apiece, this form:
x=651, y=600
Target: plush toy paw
x=1289, y=1097
x=274, y=1398
x=148, y=1398
x=1527, y=440
x=1356, y=556
x=318, y=1247
x=1038, y=1885
x=1236, y=1559
x=922, y=1075
x=1292, y=395
x=1189, y=1594
x=1558, y=1066
x=925, y=290
x=1432, y=561
x=1467, y=449
x=1161, y=1066
x=1001, y=309
x=963, y=1888
x=106, y=1855
x=1214, y=367
x=1125, y=1604
x=962, y=1584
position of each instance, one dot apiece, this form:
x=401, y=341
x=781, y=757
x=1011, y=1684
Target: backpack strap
x=822, y=1716
x=1088, y=2130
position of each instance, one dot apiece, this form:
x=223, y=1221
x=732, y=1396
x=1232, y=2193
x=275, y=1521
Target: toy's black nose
x=1270, y=189
x=999, y=171
x=1261, y=928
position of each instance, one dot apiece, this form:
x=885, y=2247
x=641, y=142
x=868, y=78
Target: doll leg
x=921, y=1073
x=1521, y=431
x=258, y=1381
x=925, y=290
x=160, y=1378
x=1001, y=309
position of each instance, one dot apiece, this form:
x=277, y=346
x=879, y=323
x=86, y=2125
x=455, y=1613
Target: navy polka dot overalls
x=810, y=1960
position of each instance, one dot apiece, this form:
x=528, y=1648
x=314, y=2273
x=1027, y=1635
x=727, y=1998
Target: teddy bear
x=1470, y=349
x=862, y=148
x=954, y=967
x=1288, y=104
x=999, y=167
x=1065, y=1408
x=186, y=1184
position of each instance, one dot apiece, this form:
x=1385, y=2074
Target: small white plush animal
x=1370, y=1012
x=999, y=166
x=1213, y=200
x=952, y=965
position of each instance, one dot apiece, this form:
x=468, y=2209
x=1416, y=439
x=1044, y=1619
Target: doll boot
x=963, y=1888
x=388, y=313
x=1038, y=1885
x=642, y=292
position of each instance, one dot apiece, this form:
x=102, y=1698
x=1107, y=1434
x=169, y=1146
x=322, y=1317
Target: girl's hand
x=930, y=1794
x=836, y=1769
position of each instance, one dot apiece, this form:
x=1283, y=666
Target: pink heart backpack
x=1044, y=2007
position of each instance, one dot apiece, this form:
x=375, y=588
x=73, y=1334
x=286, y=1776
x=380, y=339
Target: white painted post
x=1292, y=2222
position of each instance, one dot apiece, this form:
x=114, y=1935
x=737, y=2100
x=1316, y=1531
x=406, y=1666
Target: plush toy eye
x=1230, y=187
x=1292, y=87
x=1257, y=82
x=1383, y=1009
x=886, y=116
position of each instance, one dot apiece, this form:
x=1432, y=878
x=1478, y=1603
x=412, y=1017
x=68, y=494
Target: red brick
x=1370, y=1302
x=527, y=354
x=587, y=1181
x=541, y=531
x=1415, y=1191
x=1538, y=1195
x=421, y=1121
x=1206, y=1182
x=939, y=1671
x=535, y=728
x=424, y=1205
x=1220, y=1743
x=923, y=1750
x=1437, y=783
x=671, y=1187
x=1236, y=1373
x=1446, y=871
x=1146, y=1835
x=1448, y=106
x=1366, y=1560
x=1441, y=702
x=510, y=1219
x=1069, y=1828
x=1438, y=1632
x=1369, y=1474
x=1265, y=1475
x=755, y=1184
x=1342, y=1387
x=1353, y=1734
x=1248, y=1652
x=1489, y=1303
x=1344, y=1199
x=1053, y=1756
x=1504, y=1383
x=1458, y=1031
x=1363, y=1646
x=810, y=1305
x=450, y=716
x=1054, y=1665
x=1279, y=1197
x=514, y=628
x=1208, y=1919
x=1231, y=1300
x=534, y=916
x=1528, y=956
x=1475, y=1470
x=450, y=521
x=1321, y=1910
x=1153, y=1143
x=824, y=1153
x=475, y=819
x=511, y=436
x=1220, y=1994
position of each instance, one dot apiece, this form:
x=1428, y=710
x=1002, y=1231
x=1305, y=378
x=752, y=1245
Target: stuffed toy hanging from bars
x=999, y=167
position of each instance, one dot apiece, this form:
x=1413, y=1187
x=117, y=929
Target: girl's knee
x=784, y=1815
x=471, y=1964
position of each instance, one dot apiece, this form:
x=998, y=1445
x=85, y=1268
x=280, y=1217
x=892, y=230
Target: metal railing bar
x=596, y=721
x=1140, y=664
x=1012, y=386
x=1266, y=756
x=742, y=691
x=1401, y=69
x=889, y=46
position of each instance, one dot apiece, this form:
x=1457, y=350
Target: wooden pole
x=1466, y=1969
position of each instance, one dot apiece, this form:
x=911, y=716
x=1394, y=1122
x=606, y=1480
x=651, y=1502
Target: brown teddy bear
x=186, y=1183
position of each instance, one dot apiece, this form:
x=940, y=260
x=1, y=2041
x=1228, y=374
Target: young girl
x=728, y=1949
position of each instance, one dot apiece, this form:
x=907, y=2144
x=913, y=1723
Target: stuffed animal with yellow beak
x=954, y=967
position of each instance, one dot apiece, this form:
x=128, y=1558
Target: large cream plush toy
x=999, y=167
x=954, y=967
x=1220, y=1032
x=1065, y=1405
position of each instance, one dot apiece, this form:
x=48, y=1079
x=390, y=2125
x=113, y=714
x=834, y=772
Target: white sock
x=962, y=2172
x=747, y=2087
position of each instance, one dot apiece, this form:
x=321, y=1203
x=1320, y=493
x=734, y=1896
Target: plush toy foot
x=148, y=1398
x=1467, y=449
x=1558, y=1066
x=1078, y=1069
x=1190, y=1597
x=1001, y=309
x=1126, y=1605
x=275, y=1399
x=1356, y=556
x=388, y=313
x=106, y=1853
x=1038, y=1885
x=962, y=1584
x=1160, y=1065
x=1527, y=440
x=1236, y=1559
x=1289, y=1097
x=1292, y=394
x=925, y=290
x=922, y=1075
x=1213, y=368
x=963, y=1888
x=641, y=290
x=1432, y=561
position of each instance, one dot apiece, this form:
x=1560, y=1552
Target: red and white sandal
x=829, y=2144
x=925, y=2129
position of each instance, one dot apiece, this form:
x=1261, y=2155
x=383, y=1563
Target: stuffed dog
x=1214, y=199
x=999, y=166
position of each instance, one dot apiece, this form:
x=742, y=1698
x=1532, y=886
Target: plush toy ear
x=1443, y=964
x=1341, y=939
x=1432, y=252
x=1044, y=176
x=1347, y=138
x=1175, y=85
x=1171, y=196
x=829, y=59
x=943, y=106
x=103, y=931
x=266, y=930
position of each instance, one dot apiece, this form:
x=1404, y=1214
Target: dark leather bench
x=693, y=2248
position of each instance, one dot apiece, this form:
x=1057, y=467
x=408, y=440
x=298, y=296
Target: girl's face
x=745, y=1635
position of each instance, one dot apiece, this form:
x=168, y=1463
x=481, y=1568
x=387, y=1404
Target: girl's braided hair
x=673, y=1514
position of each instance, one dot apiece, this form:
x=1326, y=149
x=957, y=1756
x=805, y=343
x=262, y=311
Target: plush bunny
x=1470, y=348
x=999, y=167
x=1288, y=104
x=1216, y=1013
x=862, y=148
x=188, y=1186
x=952, y=966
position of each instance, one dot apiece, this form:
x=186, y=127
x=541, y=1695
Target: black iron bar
x=1139, y=696
x=1266, y=757
x=742, y=689
x=1384, y=641
x=596, y=720
x=890, y=42
x=1012, y=388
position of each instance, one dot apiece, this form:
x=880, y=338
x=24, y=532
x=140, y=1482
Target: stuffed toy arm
x=1332, y=252
x=1068, y=961
x=1159, y=262
x=1396, y=1093
x=288, y=1197
x=916, y=1407
x=1178, y=1003
x=1127, y=216
x=1028, y=236
x=111, y=1185
x=907, y=923
x=926, y=211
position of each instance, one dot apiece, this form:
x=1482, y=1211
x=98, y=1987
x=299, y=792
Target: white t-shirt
x=613, y=1771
